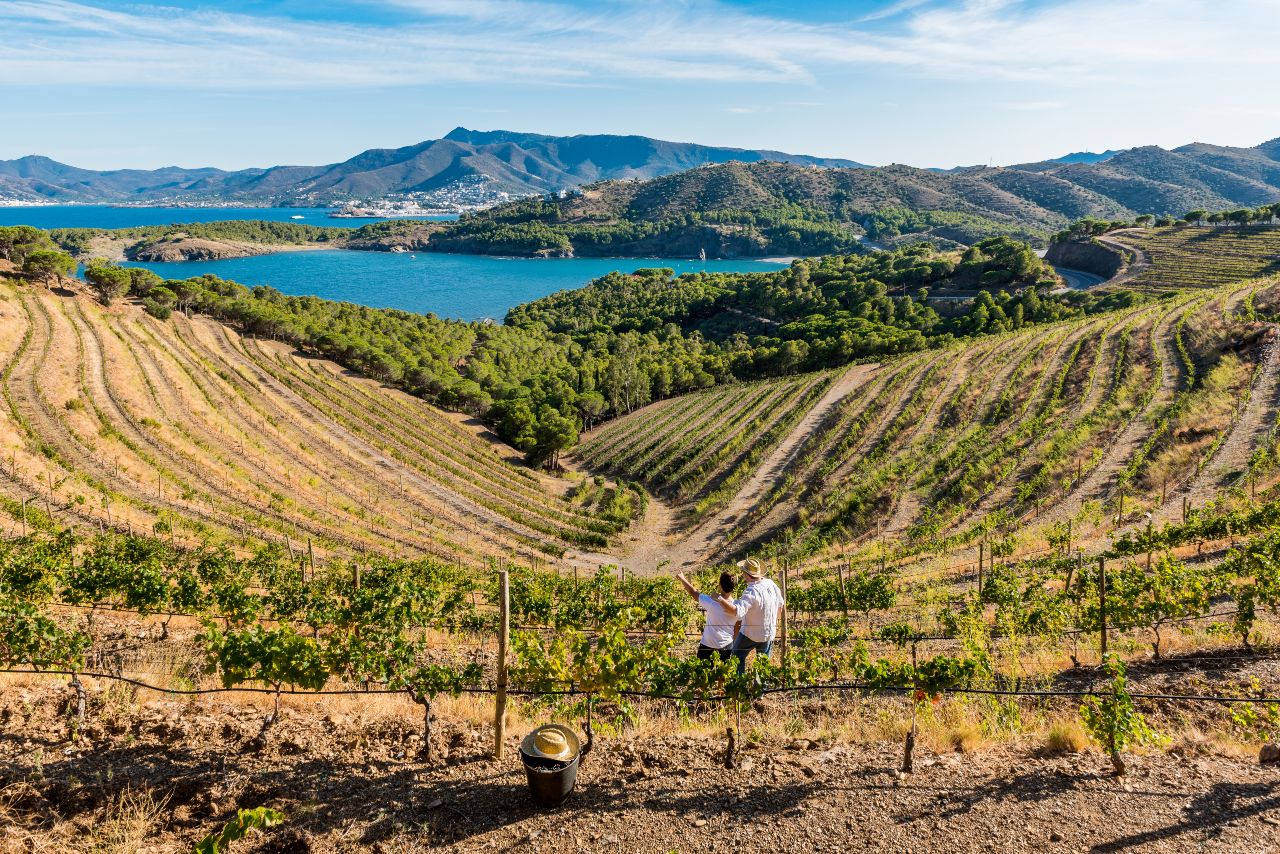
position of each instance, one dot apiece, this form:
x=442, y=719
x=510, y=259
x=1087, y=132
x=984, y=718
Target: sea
x=464, y=287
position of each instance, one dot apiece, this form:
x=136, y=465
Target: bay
x=464, y=287
x=115, y=216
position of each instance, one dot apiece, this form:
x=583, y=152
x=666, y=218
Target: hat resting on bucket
x=551, y=741
x=751, y=567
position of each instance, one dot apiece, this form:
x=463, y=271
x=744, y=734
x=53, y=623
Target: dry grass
x=1065, y=736
x=129, y=820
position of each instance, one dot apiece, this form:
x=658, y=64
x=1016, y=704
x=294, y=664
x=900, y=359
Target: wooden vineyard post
x=24, y=517
x=785, y=568
x=982, y=548
x=355, y=576
x=311, y=559
x=500, y=699
x=1102, y=605
x=1150, y=521
x=1067, y=551
x=844, y=600
x=1184, y=508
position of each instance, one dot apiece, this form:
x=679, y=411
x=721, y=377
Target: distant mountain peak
x=507, y=163
x=1086, y=156
x=1271, y=148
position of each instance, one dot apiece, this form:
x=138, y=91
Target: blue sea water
x=465, y=287
x=110, y=216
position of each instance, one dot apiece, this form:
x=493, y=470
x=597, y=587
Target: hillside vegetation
x=1092, y=421
x=957, y=496
x=566, y=362
x=1203, y=256
x=113, y=417
x=742, y=209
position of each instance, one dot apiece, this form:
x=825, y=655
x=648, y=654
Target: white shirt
x=718, y=633
x=758, y=610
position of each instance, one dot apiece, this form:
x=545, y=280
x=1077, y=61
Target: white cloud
x=892, y=10
x=1031, y=106
x=552, y=43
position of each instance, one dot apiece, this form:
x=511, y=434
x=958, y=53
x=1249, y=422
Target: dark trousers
x=705, y=652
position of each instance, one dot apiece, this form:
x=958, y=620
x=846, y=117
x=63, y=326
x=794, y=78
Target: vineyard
x=113, y=419
x=1054, y=546
x=1009, y=657
x=700, y=447
x=1203, y=256
x=1086, y=426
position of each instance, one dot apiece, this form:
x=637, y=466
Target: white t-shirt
x=718, y=633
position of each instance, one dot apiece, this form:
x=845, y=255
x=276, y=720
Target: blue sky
x=927, y=82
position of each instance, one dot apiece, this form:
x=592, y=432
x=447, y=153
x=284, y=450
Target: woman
x=721, y=625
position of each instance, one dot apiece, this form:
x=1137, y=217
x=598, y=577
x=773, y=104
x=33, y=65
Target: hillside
x=642, y=196
x=957, y=506
x=183, y=426
x=1017, y=433
x=465, y=166
x=767, y=208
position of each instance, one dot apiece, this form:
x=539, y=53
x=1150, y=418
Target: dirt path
x=1247, y=432
x=661, y=538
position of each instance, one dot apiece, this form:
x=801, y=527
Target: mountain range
x=766, y=207
x=635, y=179
x=474, y=164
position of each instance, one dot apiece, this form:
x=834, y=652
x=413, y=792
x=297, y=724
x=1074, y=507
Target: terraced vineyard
x=1203, y=257
x=701, y=447
x=1095, y=421
x=114, y=418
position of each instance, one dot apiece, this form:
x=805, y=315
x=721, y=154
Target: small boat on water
x=297, y=216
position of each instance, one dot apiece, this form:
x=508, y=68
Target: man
x=717, y=633
x=759, y=610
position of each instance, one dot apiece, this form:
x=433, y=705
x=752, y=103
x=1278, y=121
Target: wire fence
x=805, y=688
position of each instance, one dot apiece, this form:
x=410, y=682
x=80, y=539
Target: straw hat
x=551, y=741
x=751, y=567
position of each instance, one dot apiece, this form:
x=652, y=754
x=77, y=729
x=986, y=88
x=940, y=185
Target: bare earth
x=348, y=782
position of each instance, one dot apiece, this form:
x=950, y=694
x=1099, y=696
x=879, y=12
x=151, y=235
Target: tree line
x=1083, y=229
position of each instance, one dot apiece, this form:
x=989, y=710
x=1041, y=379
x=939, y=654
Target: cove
x=463, y=287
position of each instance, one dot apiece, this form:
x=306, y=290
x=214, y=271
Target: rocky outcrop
x=1090, y=257
x=195, y=249
x=399, y=237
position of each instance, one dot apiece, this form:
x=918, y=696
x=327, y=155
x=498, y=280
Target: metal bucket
x=553, y=780
x=550, y=780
